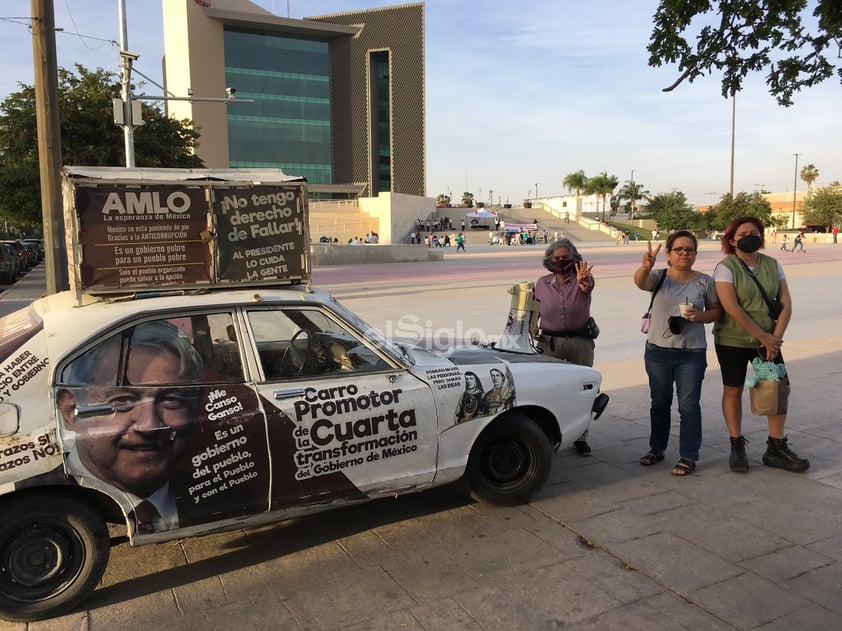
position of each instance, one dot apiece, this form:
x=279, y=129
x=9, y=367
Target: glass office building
x=338, y=98
x=288, y=126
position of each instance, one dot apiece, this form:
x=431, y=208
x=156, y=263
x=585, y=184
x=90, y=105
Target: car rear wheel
x=53, y=552
x=509, y=462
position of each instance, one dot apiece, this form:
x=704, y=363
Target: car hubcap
x=506, y=461
x=36, y=561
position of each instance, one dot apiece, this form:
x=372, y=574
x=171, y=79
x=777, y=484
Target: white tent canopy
x=479, y=213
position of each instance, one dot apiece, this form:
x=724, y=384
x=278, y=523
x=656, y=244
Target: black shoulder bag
x=647, y=317
x=774, y=306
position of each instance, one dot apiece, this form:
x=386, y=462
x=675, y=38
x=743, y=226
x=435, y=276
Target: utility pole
x=49, y=142
x=733, y=133
x=794, y=187
x=126, y=89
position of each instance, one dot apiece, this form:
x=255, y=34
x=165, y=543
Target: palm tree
x=633, y=192
x=603, y=186
x=809, y=173
x=468, y=199
x=578, y=181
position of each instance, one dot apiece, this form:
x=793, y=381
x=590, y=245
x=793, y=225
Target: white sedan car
x=179, y=415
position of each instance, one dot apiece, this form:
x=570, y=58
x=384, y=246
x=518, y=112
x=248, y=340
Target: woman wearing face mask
x=747, y=329
x=565, y=295
x=676, y=347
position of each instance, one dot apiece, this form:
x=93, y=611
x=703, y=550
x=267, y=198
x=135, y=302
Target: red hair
x=731, y=230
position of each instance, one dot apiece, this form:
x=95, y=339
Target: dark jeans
x=686, y=369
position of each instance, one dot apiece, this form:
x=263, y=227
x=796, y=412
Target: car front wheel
x=509, y=462
x=53, y=552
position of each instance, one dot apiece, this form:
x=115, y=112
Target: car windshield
x=372, y=335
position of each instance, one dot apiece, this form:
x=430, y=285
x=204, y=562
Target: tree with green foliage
x=743, y=205
x=736, y=37
x=576, y=181
x=89, y=137
x=809, y=174
x=633, y=192
x=823, y=207
x=602, y=186
x=672, y=211
x=443, y=200
x=468, y=199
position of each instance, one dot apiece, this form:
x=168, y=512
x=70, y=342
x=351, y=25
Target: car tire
x=53, y=552
x=509, y=462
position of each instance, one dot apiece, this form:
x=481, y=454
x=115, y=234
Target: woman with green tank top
x=747, y=330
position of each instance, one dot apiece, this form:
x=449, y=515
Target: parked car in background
x=9, y=263
x=31, y=253
x=20, y=257
x=37, y=245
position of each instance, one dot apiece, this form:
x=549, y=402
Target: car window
x=205, y=344
x=306, y=342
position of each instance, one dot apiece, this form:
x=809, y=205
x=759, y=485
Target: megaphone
x=522, y=318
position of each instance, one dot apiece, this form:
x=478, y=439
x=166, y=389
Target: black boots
x=738, y=459
x=778, y=454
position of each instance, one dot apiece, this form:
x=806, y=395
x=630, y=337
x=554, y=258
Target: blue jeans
x=686, y=369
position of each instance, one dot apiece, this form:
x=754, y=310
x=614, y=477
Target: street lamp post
x=794, y=187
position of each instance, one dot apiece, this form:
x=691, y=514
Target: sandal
x=654, y=455
x=684, y=466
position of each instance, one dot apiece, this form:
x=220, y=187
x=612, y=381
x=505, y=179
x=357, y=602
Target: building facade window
x=381, y=121
x=288, y=125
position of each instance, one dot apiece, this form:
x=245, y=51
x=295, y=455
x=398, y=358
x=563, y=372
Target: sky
x=520, y=94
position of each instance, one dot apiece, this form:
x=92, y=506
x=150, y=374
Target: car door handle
x=288, y=394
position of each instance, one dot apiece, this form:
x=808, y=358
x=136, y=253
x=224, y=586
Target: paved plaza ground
x=607, y=544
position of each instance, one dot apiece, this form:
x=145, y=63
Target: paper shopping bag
x=769, y=398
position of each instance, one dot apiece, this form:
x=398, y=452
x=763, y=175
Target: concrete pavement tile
x=830, y=547
x=659, y=502
x=666, y=612
x=747, y=601
x=612, y=482
x=427, y=582
x=721, y=532
x=822, y=586
x=339, y=601
x=548, y=598
x=443, y=615
x=579, y=506
x=199, y=595
x=674, y=562
x=532, y=520
x=155, y=609
x=809, y=618
x=367, y=549
x=505, y=553
x=127, y=563
x=611, y=575
x=247, y=615
x=792, y=521
x=616, y=526
x=786, y=563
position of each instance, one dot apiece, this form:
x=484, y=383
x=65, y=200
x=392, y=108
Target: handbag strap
x=757, y=282
x=656, y=288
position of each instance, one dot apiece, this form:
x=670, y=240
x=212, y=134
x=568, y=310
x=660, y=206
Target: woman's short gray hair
x=564, y=242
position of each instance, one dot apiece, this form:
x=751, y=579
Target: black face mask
x=563, y=267
x=750, y=243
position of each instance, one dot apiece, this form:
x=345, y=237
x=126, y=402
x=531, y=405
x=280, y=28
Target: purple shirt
x=565, y=307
